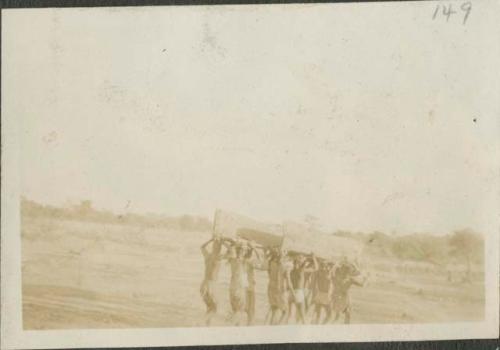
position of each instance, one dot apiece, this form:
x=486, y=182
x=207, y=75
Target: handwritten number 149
x=448, y=10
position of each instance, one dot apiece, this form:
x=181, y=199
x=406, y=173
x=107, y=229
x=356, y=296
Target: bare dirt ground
x=93, y=275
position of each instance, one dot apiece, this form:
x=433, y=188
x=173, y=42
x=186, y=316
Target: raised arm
x=261, y=262
x=267, y=253
x=315, y=264
x=356, y=282
x=331, y=271
x=204, y=247
x=256, y=251
x=226, y=242
x=288, y=280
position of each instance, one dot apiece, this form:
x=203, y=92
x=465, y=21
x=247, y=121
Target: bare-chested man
x=251, y=264
x=212, y=266
x=239, y=281
x=345, y=276
x=278, y=286
x=323, y=287
x=296, y=279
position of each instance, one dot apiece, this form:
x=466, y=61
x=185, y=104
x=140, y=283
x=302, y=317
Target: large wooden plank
x=298, y=238
x=231, y=225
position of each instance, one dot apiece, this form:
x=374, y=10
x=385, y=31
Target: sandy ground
x=93, y=275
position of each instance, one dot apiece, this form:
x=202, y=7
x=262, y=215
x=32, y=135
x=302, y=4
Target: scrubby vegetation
x=88, y=268
x=462, y=247
x=84, y=211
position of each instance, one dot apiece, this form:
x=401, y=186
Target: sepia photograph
x=89, y=268
x=259, y=173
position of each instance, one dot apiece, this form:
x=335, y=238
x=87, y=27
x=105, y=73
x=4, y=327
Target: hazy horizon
x=295, y=122
x=319, y=225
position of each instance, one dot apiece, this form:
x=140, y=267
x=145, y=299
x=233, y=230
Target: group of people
x=297, y=283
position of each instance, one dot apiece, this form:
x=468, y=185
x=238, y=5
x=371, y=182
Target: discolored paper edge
x=14, y=337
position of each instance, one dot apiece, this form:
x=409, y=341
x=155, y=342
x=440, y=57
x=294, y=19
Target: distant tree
x=466, y=245
x=343, y=233
x=405, y=248
x=431, y=249
x=380, y=239
x=418, y=247
x=84, y=208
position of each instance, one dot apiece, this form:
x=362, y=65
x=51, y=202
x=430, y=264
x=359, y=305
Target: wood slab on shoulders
x=232, y=225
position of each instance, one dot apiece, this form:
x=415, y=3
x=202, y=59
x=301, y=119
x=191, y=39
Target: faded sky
x=359, y=117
